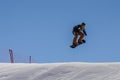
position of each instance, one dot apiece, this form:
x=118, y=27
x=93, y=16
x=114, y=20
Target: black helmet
x=83, y=23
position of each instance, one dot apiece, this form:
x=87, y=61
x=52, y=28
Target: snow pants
x=77, y=40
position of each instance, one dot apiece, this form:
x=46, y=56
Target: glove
x=85, y=32
x=73, y=32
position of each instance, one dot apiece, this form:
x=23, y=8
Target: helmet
x=83, y=23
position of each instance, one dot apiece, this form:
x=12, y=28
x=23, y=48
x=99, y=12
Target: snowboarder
x=78, y=30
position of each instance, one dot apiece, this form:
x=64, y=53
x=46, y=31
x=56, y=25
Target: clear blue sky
x=42, y=29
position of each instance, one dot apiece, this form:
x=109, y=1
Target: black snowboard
x=74, y=46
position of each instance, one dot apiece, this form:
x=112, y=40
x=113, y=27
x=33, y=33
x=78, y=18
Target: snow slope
x=60, y=71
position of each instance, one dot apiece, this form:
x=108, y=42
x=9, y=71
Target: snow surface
x=60, y=71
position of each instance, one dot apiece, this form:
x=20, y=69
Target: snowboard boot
x=83, y=41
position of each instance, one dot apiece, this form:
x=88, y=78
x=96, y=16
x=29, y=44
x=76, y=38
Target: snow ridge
x=60, y=71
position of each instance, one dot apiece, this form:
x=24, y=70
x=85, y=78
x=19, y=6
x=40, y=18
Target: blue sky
x=42, y=29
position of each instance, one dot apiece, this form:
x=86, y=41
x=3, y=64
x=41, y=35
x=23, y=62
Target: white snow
x=60, y=71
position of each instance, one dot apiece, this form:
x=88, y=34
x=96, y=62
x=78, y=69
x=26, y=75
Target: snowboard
x=74, y=46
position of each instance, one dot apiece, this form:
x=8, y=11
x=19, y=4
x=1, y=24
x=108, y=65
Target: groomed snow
x=60, y=71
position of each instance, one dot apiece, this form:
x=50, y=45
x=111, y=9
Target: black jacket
x=78, y=29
